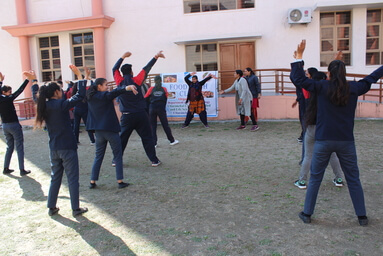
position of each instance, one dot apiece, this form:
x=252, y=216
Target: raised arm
x=364, y=85
x=116, y=68
x=29, y=75
x=187, y=78
x=141, y=76
x=1, y=80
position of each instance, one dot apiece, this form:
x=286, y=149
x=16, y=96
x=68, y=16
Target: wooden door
x=235, y=56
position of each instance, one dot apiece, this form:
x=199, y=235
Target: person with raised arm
x=337, y=101
x=102, y=119
x=10, y=121
x=195, y=99
x=133, y=106
x=53, y=109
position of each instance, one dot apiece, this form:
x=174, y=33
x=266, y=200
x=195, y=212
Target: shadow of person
x=102, y=240
x=31, y=188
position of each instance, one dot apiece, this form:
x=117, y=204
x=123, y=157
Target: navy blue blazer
x=101, y=112
x=333, y=122
x=61, y=136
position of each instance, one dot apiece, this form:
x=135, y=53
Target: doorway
x=235, y=56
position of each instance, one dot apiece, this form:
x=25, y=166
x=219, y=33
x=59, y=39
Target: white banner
x=178, y=91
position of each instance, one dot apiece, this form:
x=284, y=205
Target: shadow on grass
x=102, y=240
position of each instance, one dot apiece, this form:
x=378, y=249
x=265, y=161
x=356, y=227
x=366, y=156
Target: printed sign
x=178, y=91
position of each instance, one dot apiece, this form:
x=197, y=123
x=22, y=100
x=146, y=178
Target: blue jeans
x=14, y=133
x=102, y=138
x=346, y=153
x=64, y=160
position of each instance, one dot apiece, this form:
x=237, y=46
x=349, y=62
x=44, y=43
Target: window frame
x=50, y=58
x=379, y=50
x=335, y=38
x=203, y=47
x=83, y=44
x=236, y=3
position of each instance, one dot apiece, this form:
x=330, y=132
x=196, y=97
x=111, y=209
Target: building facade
x=195, y=35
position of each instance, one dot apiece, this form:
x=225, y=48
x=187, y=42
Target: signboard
x=178, y=91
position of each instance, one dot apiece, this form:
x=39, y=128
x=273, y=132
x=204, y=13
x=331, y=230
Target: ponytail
x=45, y=92
x=339, y=91
x=93, y=88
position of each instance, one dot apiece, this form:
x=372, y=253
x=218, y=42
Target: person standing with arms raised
x=11, y=127
x=133, y=106
x=337, y=100
x=53, y=109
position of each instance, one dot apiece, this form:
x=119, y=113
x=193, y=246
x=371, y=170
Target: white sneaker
x=175, y=142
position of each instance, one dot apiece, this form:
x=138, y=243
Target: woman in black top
x=11, y=126
x=158, y=97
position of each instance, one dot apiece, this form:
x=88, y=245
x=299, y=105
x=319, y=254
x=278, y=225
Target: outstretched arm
x=187, y=78
x=29, y=75
x=141, y=76
x=116, y=72
x=1, y=80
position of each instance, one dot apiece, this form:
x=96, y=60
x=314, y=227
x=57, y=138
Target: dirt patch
x=218, y=192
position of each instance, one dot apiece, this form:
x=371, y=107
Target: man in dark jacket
x=133, y=107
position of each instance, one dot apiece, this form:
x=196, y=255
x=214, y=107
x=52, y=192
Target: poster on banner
x=178, y=91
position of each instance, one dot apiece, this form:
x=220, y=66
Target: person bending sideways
x=337, y=100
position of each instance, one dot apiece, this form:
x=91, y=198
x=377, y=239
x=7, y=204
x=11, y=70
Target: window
x=201, y=57
x=83, y=51
x=50, y=58
x=374, y=48
x=335, y=36
x=215, y=5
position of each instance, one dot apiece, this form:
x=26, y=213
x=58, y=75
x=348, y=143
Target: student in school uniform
x=158, y=97
x=102, y=118
x=11, y=127
x=337, y=101
x=53, y=109
x=133, y=106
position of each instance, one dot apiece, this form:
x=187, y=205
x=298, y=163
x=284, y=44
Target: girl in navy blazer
x=53, y=109
x=102, y=118
x=337, y=100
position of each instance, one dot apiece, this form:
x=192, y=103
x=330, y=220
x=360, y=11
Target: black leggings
x=252, y=117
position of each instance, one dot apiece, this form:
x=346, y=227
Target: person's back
x=59, y=126
x=101, y=113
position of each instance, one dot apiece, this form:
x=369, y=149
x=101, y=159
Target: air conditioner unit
x=299, y=15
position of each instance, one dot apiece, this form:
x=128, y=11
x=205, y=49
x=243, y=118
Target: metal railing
x=275, y=81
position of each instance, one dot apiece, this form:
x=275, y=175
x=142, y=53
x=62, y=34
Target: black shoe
x=122, y=184
x=305, y=217
x=92, y=185
x=157, y=163
x=7, y=171
x=24, y=172
x=363, y=220
x=79, y=211
x=53, y=211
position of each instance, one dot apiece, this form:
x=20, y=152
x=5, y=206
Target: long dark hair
x=157, y=84
x=45, y=92
x=240, y=73
x=250, y=70
x=312, y=107
x=339, y=91
x=93, y=88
